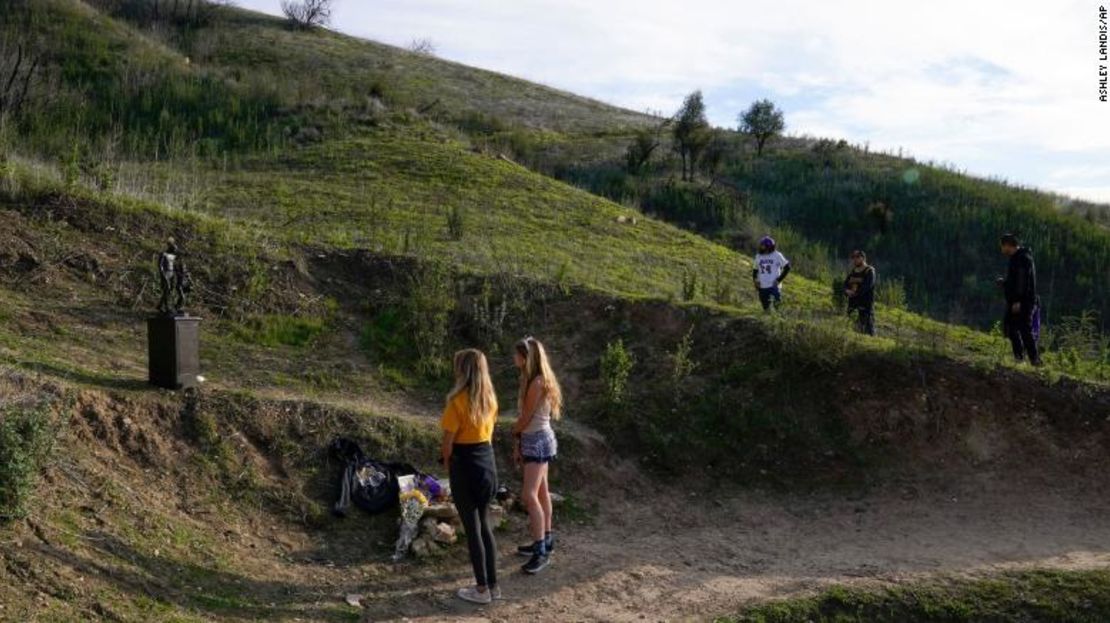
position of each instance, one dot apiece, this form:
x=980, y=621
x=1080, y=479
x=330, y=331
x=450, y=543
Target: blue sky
x=999, y=89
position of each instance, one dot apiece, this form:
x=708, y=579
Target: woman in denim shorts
x=540, y=402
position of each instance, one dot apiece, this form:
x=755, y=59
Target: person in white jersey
x=769, y=269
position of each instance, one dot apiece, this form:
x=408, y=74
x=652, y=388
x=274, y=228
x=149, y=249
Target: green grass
x=392, y=191
x=1017, y=596
x=280, y=330
x=346, y=68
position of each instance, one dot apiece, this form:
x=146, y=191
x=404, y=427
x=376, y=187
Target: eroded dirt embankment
x=144, y=504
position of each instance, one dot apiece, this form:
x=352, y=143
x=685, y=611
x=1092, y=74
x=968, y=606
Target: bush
x=689, y=285
x=488, y=316
x=385, y=336
x=683, y=366
x=428, y=308
x=616, y=367
x=1078, y=345
x=307, y=13
x=455, y=222
x=723, y=289
x=26, y=438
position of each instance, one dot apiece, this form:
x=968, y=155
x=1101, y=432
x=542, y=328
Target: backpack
x=366, y=482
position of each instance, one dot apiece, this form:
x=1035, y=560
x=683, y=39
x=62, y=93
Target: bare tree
x=424, y=46
x=307, y=13
x=643, y=145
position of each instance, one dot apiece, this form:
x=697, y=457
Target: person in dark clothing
x=859, y=287
x=1020, y=288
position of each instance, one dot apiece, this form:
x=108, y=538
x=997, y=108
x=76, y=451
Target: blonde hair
x=472, y=376
x=536, y=364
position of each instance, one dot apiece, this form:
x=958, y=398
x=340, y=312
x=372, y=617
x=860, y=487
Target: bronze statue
x=172, y=274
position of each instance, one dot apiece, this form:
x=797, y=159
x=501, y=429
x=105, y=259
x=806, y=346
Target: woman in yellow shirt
x=468, y=457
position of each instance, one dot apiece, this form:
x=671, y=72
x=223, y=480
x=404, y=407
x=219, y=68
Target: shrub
x=307, y=13
x=616, y=367
x=385, y=335
x=455, y=222
x=488, y=316
x=423, y=46
x=689, y=285
x=723, y=290
x=682, y=365
x=1079, y=346
x=26, y=438
x=428, y=308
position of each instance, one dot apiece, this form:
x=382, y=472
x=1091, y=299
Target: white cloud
x=1001, y=88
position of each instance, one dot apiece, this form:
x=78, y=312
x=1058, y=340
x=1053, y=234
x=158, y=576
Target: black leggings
x=473, y=485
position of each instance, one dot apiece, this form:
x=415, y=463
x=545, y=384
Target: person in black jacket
x=859, y=287
x=1020, y=287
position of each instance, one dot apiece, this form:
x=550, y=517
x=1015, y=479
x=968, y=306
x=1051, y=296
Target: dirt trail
x=662, y=558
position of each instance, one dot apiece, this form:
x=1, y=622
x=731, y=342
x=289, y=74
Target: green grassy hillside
x=173, y=116
x=930, y=228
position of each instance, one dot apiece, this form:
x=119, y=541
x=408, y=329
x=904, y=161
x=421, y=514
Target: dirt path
x=648, y=553
x=690, y=560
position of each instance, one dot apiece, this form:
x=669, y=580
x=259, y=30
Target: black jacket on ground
x=862, y=282
x=1021, y=279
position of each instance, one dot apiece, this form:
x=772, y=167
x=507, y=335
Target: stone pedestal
x=173, y=349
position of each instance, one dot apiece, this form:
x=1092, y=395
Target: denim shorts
x=539, y=447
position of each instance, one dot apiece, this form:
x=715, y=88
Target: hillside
x=930, y=229
x=345, y=237
x=155, y=507
x=242, y=83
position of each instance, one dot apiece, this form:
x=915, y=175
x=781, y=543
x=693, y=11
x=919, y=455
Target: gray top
x=541, y=418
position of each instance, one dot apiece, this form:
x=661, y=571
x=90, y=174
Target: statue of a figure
x=172, y=274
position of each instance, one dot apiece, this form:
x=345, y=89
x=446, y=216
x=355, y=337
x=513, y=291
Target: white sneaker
x=471, y=594
x=495, y=592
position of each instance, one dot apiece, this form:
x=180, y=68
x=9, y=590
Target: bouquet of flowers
x=432, y=488
x=413, y=503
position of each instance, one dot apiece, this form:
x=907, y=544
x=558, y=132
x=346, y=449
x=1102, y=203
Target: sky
x=998, y=89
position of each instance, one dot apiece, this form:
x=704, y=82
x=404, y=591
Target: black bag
x=367, y=483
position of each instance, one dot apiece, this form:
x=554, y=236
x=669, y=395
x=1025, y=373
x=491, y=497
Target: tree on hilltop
x=691, y=132
x=307, y=13
x=762, y=121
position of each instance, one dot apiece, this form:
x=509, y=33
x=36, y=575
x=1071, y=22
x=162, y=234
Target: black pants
x=865, y=319
x=1019, y=328
x=473, y=485
x=769, y=295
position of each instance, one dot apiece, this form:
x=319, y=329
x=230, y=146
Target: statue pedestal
x=173, y=349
